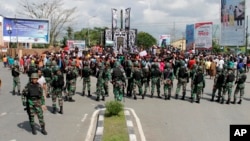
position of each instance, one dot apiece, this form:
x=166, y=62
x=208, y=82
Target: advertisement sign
x=80, y=44
x=189, y=37
x=232, y=22
x=25, y=30
x=203, y=35
x=164, y=40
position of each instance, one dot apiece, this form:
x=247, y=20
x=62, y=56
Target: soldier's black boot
x=89, y=95
x=166, y=97
x=176, y=96
x=33, y=130
x=198, y=101
x=83, y=93
x=135, y=98
x=13, y=92
x=212, y=99
x=48, y=96
x=97, y=98
x=222, y=101
x=192, y=99
x=54, y=110
x=151, y=95
x=43, y=131
x=183, y=96
x=103, y=98
x=61, y=110
x=143, y=96
x=218, y=99
x=66, y=98
x=106, y=94
x=18, y=93
x=71, y=99
x=169, y=97
x=239, y=101
x=234, y=102
x=159, y=96
x=228, y=101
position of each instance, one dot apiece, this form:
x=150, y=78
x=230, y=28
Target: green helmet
x=117, y=64
x=100, y=64
x=200, y=68
x=54, y=63
x=48, y=63
x=57, y=68
x=182, y=62
x=34, y=75
x=136, y=64
x=242, y=70
x=167, y=65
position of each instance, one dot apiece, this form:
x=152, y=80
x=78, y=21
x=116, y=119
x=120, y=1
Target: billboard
x=25, y=30
x=190, y=37
x=232, y=22
x=164, y=40
x=203, y=35
x=80, y=44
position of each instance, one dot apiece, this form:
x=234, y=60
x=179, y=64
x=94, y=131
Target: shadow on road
x=99, y=106
x=26, y=125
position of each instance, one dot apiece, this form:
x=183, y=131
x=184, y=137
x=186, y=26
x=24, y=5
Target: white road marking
x=84, y=117
x=13, y=140
x=3, y=114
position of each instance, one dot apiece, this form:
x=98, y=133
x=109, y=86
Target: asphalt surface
x=161, y=120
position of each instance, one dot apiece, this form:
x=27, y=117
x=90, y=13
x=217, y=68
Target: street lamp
x=9, y=29
x=88, y=29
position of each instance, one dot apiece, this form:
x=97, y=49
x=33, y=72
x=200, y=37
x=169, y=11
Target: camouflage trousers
x=239, y=88
x=182, y=82
x=100, y=89
x=215, y=88
x=167, y=90
x=16, y=83
x=227, y=90
x=48, y=85
x=138, y=84
x=57, y=93
x=197, y=91
x=86, y=82
x=106, y=87
x=118, y=90
x=35, y=109
x=71, y=88
x=155, y=82
x=145, y=87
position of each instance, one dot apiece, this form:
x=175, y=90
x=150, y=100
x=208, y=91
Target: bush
x=113, y=107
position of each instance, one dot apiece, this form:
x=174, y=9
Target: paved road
x=161, y=120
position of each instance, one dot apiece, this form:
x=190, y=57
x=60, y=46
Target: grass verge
x=115, y=128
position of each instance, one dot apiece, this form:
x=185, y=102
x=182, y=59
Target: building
x=180, y=44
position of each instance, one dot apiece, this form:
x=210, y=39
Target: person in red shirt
x=21, y=63
x=191, y=62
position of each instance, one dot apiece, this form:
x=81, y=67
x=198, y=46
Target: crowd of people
x=127, y=73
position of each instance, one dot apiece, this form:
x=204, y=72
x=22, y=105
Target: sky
x=157, y=17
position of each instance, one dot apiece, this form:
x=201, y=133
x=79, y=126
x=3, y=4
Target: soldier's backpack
x=32, y=70
x=59, y=83
x=167, y=74
x=220, y=79
x=198, y=78
x=34, y=90
x=230, y=77
x=182, y=72
x=117, y=73
x=156, y=73
x=242, y=79
x=14, y=73
x=85, y=72
x=137, y=75
x=70, y=75
x=47, y=73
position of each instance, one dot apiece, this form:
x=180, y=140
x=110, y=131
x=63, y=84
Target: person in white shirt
x=42, y=82
x=220, y=63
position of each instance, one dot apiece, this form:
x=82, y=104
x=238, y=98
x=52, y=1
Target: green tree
x=145, y=40
x=70, y=33
x=216, y=47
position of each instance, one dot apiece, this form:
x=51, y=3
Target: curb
x=128, y=116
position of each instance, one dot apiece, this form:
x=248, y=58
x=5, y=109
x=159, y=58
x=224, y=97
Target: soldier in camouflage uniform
x=241, y=79
x=199, y=84
x=118, y=81
x=182, y=76
x=57, y=82
x=71, y=77
x=107, y=78
x=228, y=85
x=32, y=69
x=145, y=79
x=128, y=70
x=33, y=99
x=86, y=72
x=155, y=80
x=137, y=76
x=100, y=82
x=192, y=74
x=218, y=84
x=168, y=77
x=16, y=80
x=47, y=73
